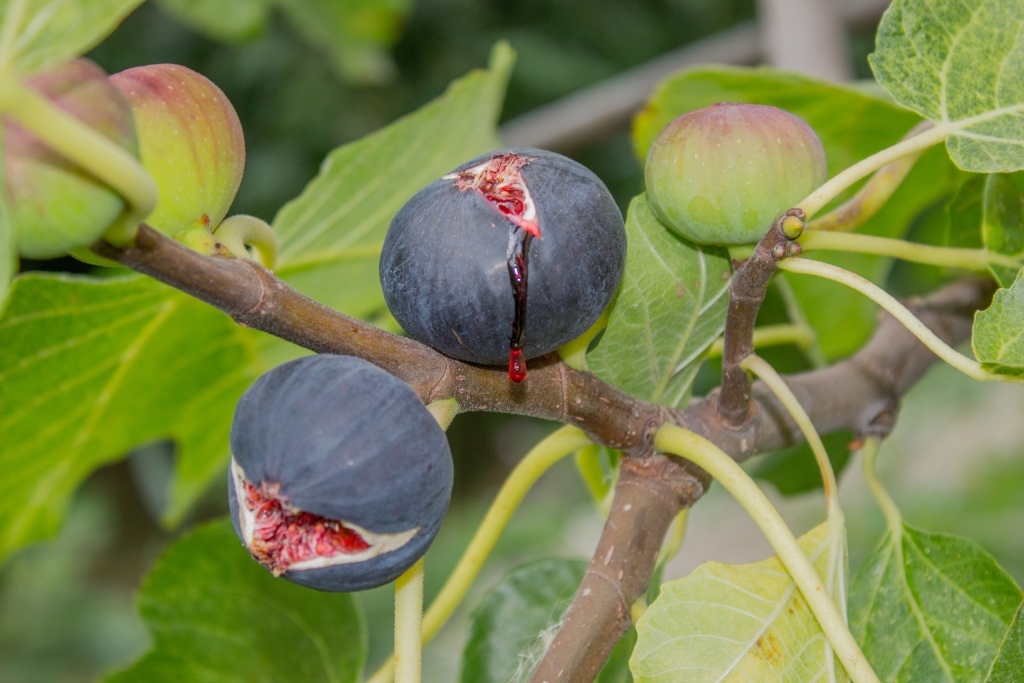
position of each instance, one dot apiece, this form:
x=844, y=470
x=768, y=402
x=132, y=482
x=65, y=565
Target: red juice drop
x=516, y=365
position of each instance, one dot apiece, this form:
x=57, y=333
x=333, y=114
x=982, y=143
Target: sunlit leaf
x=52, y=31
x=331, y=234
x=998, y=335
x=737, y=623
x=958, y=62
x=91, y=368
x=931, y=607
x=670, y=307
x=1008, y=666
x=217, y=616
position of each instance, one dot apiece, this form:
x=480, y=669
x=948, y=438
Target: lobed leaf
x=53, y=31
x=958, y=63
x=669, y=309
x=217, y=616
x=91, y=368
x=928, y=607
x=330, y=235
x=998, y=334
x=508, y=628
x=737, y=623
x=852, y=124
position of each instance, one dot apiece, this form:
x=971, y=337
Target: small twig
x=746, y=293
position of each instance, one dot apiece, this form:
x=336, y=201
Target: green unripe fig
x=722, y=174
x=55, y=204
x=190, y=141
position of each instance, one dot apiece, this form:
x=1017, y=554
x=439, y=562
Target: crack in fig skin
x=500, y=182
x=283, y=536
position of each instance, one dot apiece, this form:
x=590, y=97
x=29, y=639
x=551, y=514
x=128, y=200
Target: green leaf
x=53, y=31
x=507, y=630
x=91, y=368
x=929, y=607
x=736, y=623
x=958, y=63
x=331, y=234
x=852, y=124
x=998, y=334
x=217, y=616
x=353, y=34
x=1008, y=666
x=670, y=307
x=1002, y=228
x=228, y=21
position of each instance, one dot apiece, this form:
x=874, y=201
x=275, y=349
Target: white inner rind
x=529, y=210
x=379, y=544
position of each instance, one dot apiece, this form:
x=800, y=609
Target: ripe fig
x=509, y=256
x=55, y=204
x=339, y=475
x=722, y=174
x=190, y=140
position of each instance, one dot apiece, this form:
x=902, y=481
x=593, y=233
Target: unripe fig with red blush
x=339, y=475
x=56, y=205
x=722, y=174
x=506, y=258
x=190, y=140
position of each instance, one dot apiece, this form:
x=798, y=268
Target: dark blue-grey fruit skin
x=350, y=442
x=443, y=263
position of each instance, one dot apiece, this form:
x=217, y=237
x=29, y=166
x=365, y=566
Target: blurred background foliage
x=308, y=75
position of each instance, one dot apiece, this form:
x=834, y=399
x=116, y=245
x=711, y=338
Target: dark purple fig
x=506, y=258
x=339, y=475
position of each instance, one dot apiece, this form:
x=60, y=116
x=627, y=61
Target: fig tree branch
x=859, y=394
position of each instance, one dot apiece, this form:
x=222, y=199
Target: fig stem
x=944, y=351
x=767, y=374
x=817, y=200
x=444, y=411
x=799, y=334
x=241, y=231
x=588, y=466
x=893, y=517
x=697, y=449
x=674, y=540
x=556, y=446
x=977, y=260
x=574, y=354
x=77, y=141
x=408, y=657
x=13, y=19
x=866, y=202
